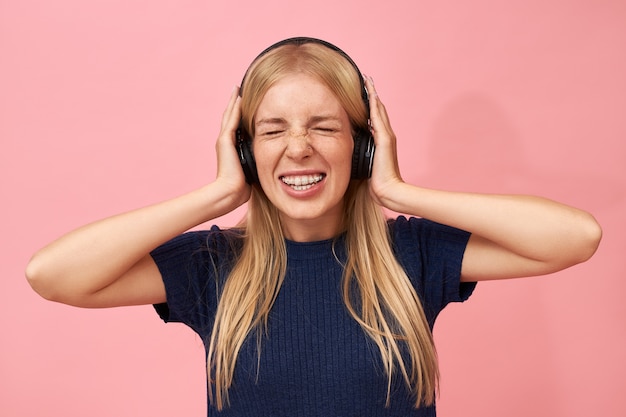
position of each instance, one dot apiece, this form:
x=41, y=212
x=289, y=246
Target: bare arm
x=512, y=235
x=107, y=263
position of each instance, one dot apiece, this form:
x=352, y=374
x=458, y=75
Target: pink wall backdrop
x=107, y=105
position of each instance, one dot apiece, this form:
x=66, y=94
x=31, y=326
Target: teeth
x=302, y=182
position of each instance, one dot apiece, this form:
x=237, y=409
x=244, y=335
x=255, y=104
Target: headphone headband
x=301, y=40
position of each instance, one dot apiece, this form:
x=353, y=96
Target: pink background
x=109, y=105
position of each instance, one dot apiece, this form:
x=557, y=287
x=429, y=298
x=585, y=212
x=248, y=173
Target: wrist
x=225, y=196
x=395, y=196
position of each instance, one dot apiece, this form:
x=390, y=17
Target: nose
x=298, y=145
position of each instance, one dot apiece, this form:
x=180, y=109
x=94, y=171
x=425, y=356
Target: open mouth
x=302, y=182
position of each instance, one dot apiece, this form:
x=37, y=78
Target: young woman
x=315, y=304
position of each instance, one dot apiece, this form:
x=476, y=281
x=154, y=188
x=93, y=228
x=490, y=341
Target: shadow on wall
x=475, y=146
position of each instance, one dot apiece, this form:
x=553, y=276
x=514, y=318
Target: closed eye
x=271, y=127
x=272, y=133
x=325, y=130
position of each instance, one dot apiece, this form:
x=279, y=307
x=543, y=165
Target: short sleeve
x=432, y=256
x=191, y=266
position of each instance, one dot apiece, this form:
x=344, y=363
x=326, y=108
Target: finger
x=378, y=113
x=369, y=86
x=228, y=165
x=232, y=113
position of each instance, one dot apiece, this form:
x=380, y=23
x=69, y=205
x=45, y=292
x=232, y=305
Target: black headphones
x=363, y=155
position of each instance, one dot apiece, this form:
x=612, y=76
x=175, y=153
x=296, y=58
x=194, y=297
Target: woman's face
x=303, y=150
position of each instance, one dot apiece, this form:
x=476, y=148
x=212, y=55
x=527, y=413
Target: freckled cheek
x=266, y=159
x=343, y=158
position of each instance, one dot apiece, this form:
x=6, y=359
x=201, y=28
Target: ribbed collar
x=316, y=250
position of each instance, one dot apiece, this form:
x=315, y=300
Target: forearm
x=94, y=256
x=531, y=227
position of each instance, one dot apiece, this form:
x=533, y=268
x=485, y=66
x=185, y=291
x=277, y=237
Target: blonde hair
x=387, y=306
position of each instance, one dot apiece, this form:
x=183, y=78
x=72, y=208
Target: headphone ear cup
x=246, y=157
x=363, y=155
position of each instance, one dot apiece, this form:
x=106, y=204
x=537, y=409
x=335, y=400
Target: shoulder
x=415, y=230
x=431, y=254
x=214, y=238
x=191, y=265
x=200, y=246
x=420, y=245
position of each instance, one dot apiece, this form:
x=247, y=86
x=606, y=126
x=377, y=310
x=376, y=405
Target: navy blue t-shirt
x=316, y=359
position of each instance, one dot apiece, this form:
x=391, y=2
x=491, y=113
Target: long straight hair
x=385, y=303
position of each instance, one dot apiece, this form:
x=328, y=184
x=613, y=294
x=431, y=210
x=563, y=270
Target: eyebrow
x=271, y=121
x=280, y=120
x=316, y=119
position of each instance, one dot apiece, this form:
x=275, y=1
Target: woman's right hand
x=229, y=171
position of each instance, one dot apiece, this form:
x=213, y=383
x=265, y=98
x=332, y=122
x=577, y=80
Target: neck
x=311, y=230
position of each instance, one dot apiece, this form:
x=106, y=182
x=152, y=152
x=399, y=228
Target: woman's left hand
x=386, y=178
